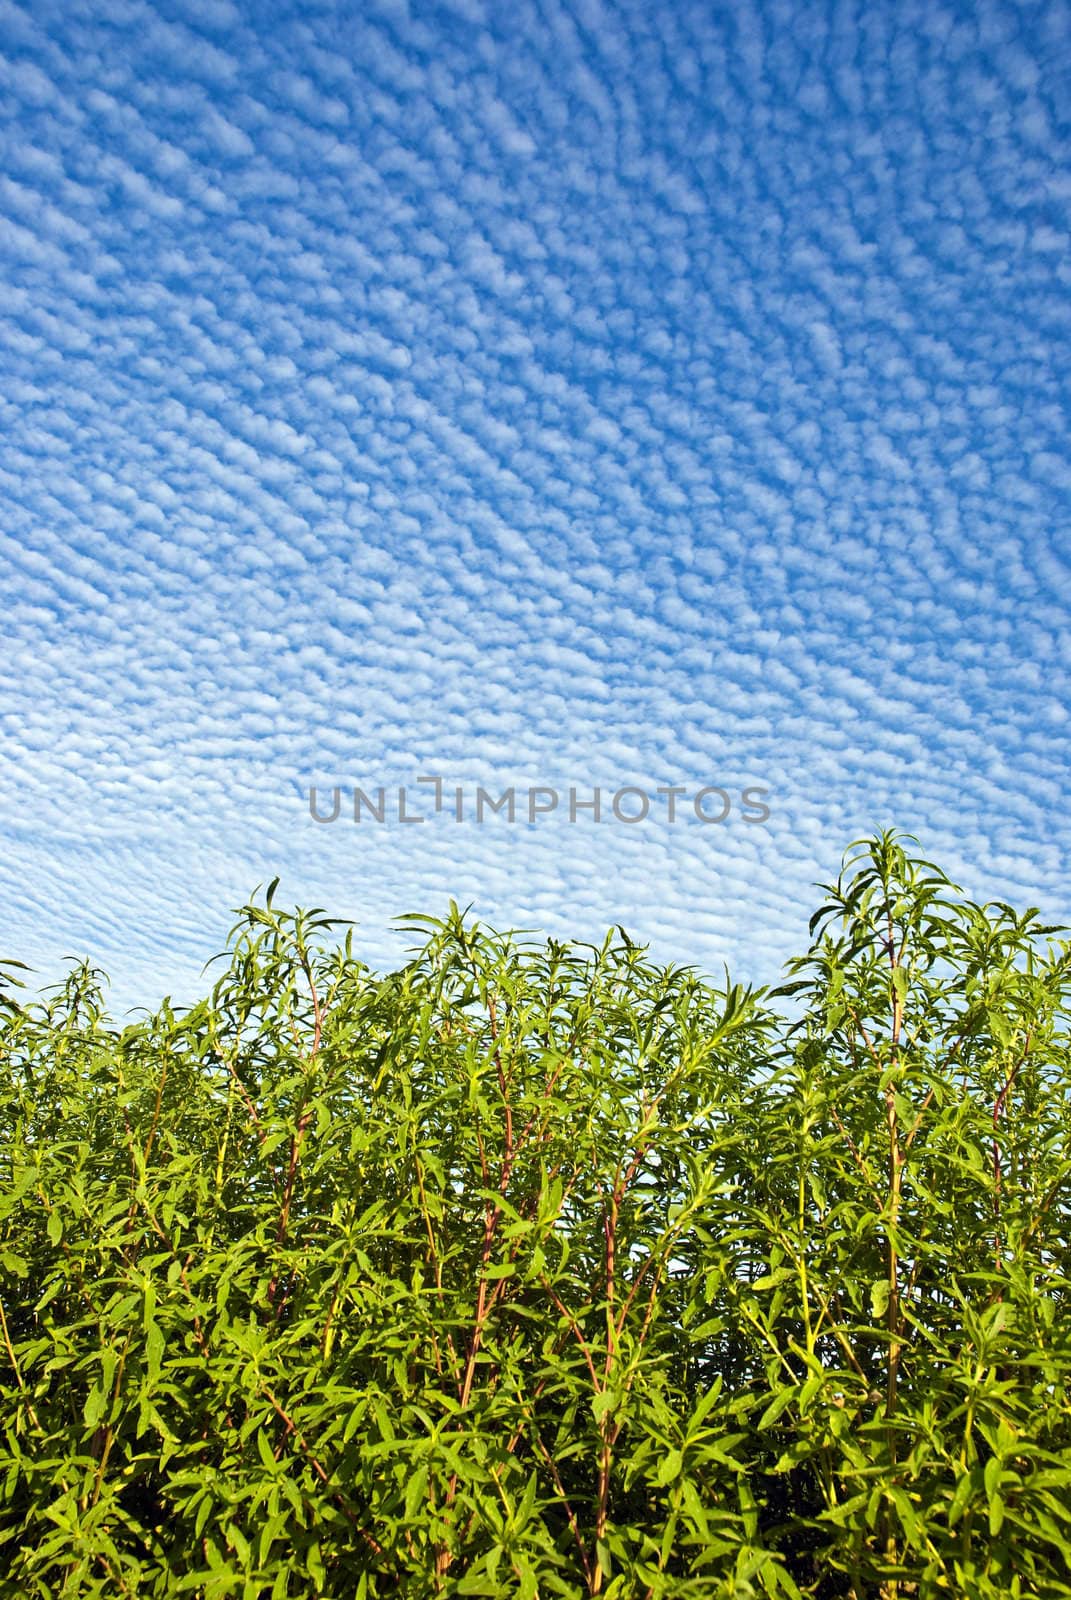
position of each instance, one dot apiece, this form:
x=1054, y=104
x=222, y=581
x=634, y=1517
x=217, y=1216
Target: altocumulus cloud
x=541, y=393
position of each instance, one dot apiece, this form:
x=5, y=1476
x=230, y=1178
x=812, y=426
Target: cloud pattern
x=552, y=393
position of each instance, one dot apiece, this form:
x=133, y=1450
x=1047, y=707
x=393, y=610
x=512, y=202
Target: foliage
x=545, y=1271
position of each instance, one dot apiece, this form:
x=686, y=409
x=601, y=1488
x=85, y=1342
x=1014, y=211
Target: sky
x=559, y=394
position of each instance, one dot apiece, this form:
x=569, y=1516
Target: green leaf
x=780, y=1403
x=154, y=1351
x=669, y=1468
x=879, y=1297
x=416, y=1491
x=94, y=1407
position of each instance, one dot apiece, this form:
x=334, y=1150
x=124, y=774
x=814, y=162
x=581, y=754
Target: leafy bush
x=545, y=1271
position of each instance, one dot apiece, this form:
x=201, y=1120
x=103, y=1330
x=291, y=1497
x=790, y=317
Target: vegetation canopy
x=541, y=1270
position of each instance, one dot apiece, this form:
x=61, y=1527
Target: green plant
x=543, y=1270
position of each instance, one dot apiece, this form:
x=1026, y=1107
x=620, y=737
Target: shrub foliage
x=541, y=1270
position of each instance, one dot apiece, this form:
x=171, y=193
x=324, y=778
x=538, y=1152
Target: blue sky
x=561, y=394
